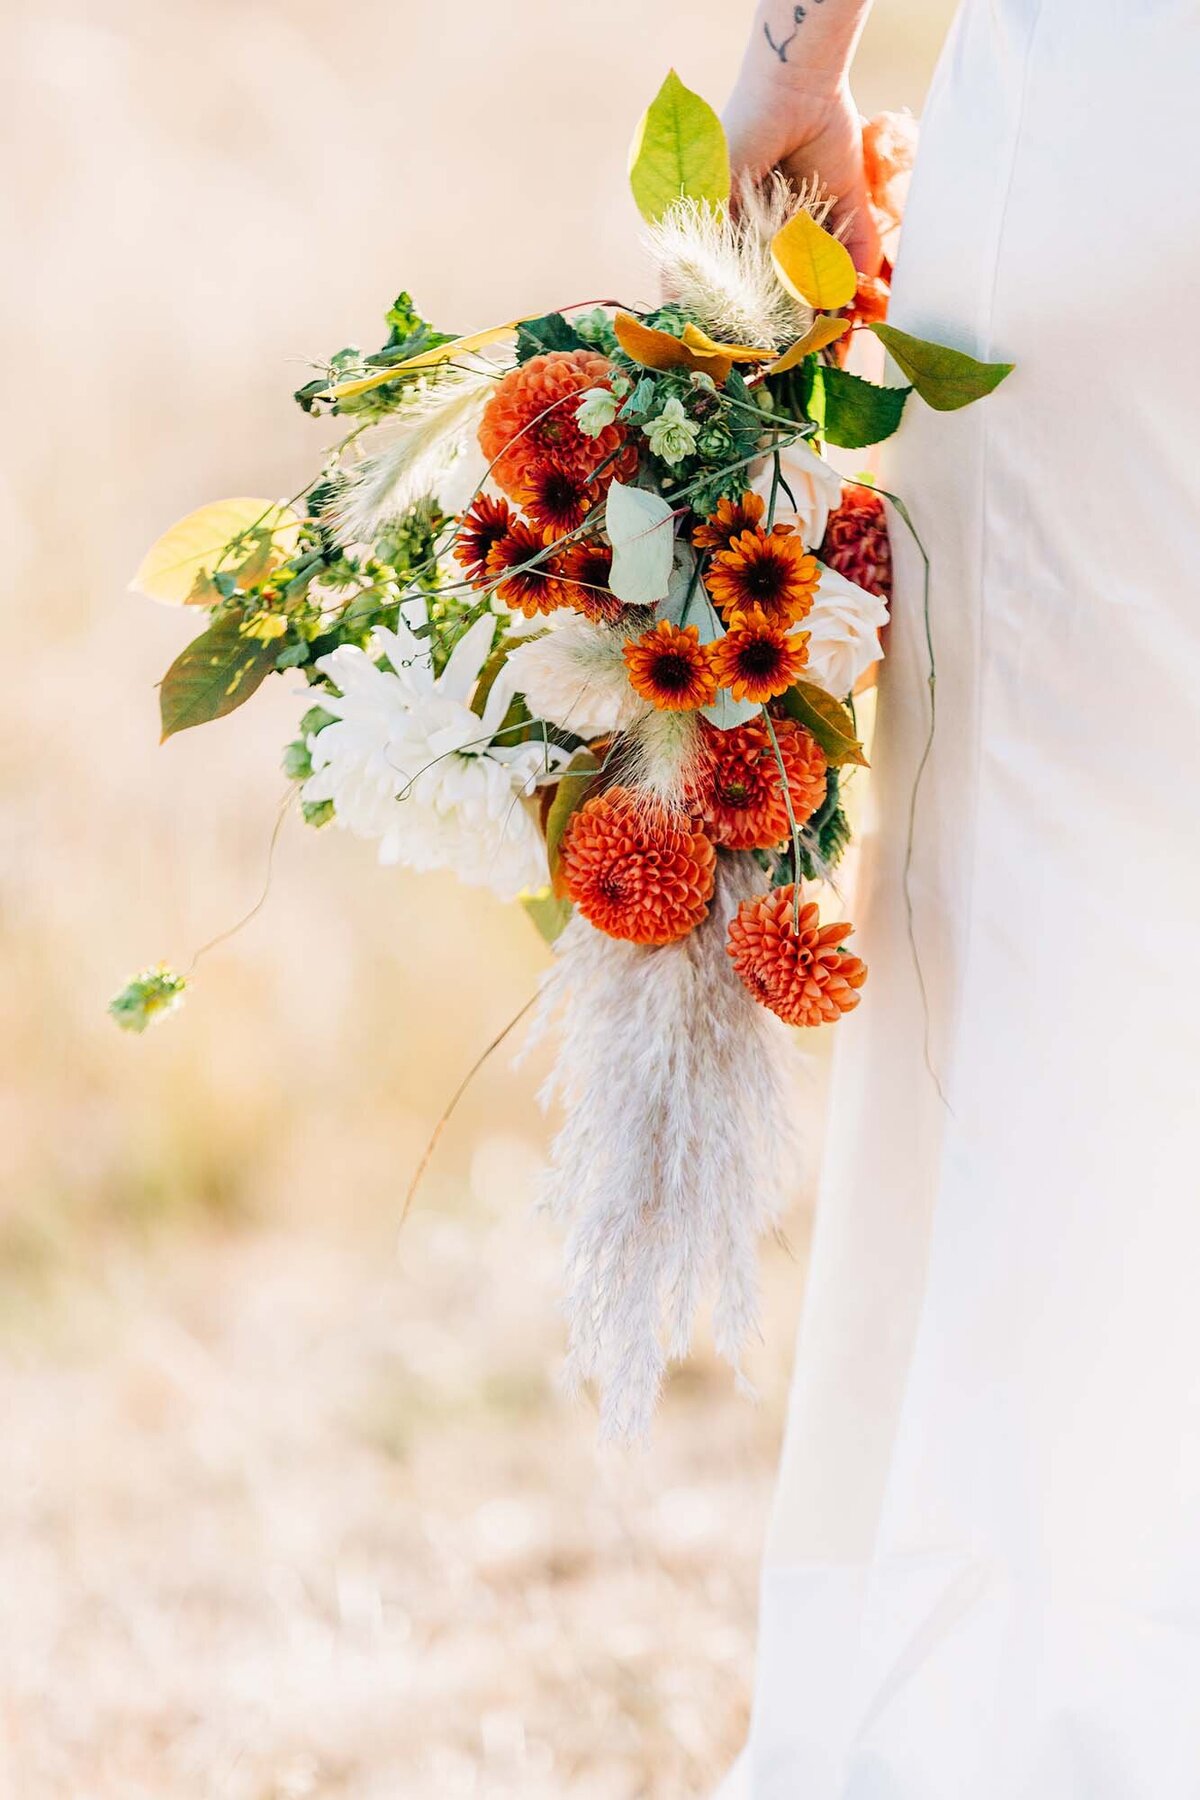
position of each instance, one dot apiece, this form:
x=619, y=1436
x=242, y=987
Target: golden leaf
x=820, y=334
x=427, y=359
x=234, y=537
x=655, y=349
x=813, y=265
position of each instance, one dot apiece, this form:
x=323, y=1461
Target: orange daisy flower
x=530, y=591
x=636, y=871
x=481, y=527
x=583, y=570
x=530, y=420
x=801, y=973
x=756, y=660
x=669, y=666
x=769, y=569
x=557, y=499
x=731, y=518
x=742, y=802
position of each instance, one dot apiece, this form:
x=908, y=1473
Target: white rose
x=817, y=489
x=843, y=628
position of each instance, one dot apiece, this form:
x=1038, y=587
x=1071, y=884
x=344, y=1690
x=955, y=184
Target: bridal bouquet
x=581, y=605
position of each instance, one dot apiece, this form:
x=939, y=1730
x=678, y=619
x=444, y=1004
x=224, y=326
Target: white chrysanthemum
x=815, y=486
x=574, y=676
x=843, y=629
x=408, y=762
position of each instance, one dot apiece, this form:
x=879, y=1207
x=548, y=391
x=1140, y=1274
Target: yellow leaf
x=820, y=334
x=652, y=349
x=813, y=265
x=655, y=349
x=703, y=345
x=228, y=537
x=427, y=359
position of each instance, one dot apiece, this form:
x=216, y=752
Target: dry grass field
x=289, y=1506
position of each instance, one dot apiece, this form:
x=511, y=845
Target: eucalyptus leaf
x=726, y=712
x=641, y=530
x=679, y=152
x=548, y=913
x=945, y=379
x=851, y=413
x=217, y=672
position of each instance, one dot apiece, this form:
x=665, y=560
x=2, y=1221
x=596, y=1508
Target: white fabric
x=983, y=1579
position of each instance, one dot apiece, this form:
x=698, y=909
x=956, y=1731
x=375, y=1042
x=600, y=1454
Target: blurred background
x=289, y=1505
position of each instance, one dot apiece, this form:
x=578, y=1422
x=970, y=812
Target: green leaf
x=726, y=713
x=548, y=913
x=679, y=151
x=828, y=720
x=214, y=675
x=945, y=379
x=576, y=784
x=852, y=413
x=551, y=332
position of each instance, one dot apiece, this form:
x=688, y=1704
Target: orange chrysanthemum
x=769, y=569
x=799, y=971
x=530, y=421
x=731, y=518
x=555, y=498
x=756, y=660
x=528, y=590
x=480, y=528
x=856, y=542
x=669, y=666
x=741, y=800
x=583, y=570
x=636, y=871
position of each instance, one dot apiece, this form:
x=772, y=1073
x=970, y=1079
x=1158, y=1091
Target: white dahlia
x=843, y=628
x=409, y=763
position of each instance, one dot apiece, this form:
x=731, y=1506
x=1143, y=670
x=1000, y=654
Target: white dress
x=983, y=1577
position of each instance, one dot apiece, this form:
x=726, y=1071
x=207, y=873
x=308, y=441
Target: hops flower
x=770, y=570
x=671, y=434
x=742, y=802
x=596, y=411
x=796, y=969
x=670, y=667
x=636, y=871
x=530, y=421
x=757, y=660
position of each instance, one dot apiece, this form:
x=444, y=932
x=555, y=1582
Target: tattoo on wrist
x=783, y=44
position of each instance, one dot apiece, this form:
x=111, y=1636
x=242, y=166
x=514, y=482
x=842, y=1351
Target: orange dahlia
x=583, y=570
x=483, y=525
x=856, y=541
x=769, y=569
x=731, y=518
x=555, y=498
x=669, y=666
x=798, y=970
x=528, y=590
x=636, y=871
x=757, y=660
x=741, y=799
x=530, y=420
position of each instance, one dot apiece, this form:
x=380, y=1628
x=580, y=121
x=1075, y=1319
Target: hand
x=776, y=123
